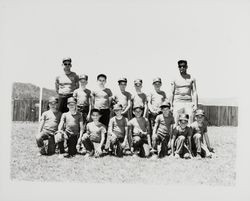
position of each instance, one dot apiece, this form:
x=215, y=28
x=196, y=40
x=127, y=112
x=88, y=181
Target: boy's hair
x=182, y=61
x=102, y=75
x=95, y=110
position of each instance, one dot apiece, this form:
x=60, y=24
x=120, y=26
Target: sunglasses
x=67, y=64
x=182, y=66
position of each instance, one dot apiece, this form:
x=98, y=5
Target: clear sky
x=124, y=38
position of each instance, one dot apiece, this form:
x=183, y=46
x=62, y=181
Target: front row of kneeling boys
x=71, y=135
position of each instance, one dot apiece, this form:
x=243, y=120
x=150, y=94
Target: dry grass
x=220, y=170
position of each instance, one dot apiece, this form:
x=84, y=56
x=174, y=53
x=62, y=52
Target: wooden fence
x=28, y=110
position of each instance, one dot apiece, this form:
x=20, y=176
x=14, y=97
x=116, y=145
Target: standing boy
x=102, y=98
x=162, y=130
x=83, y=98
x=123, y=97
x=48, y=126
x=139, y=132
x=155, y=100
x=117, y=131
x=139, y=99
x=93, y=138
x=181, y=137
x=199, y=131
x=72, y=125
x=65, y=84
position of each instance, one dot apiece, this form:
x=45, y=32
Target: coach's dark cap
x=53, y=100
x=157, y=79
x=122, y=79
x=71, y=100
x=83, y=76
x=66, y=59
x=138, y=81
x=165, y=104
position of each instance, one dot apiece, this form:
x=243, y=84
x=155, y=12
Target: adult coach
x=65, y=84
x=184, y=97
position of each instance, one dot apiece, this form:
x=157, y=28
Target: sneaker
x=198, y=156
x=61, y=156
x=154, y=156
x=209, y=155
x=177, y=156
x=67, y=156
x=38, y=154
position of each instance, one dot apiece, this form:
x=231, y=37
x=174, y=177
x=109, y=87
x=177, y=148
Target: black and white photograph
x=124, y=100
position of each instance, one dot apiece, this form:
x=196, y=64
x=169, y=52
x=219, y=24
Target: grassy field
x=220, y=170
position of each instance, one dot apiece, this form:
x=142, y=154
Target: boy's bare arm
x=110, y=101
x=102, y=140
x=190, y=145
x=90, y=108
x=145, y=109
x=172, y=144
x=149, y=140
x=42, y=122
x=171, y=98
x=126, y=137
x=92, y=100
x=57, y=85
x=60, y=126
x=155, y=128
x=149, y=104
x=195, y=95
x=208, y=141
x=127, y=108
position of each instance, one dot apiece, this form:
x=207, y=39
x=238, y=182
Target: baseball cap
x=199, y=112
x=71, y=100
x=83, y=76
x=122, y=79
x=140, y=107
x=157, y=79
x=165, y=104
x=53, y=100
x=138, y=81
x=184, y=117
x=117, y=107
x=66, y=59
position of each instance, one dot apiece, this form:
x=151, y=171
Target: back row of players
x=97, y=122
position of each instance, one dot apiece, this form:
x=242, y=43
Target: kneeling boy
x=95, y=133
x=181, y=137
x=139, y=131
x=48, y=126
x=199, y=131
x=162, y=130
x=117, y=131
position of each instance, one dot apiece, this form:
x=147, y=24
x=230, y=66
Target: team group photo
x=121, y=98
x=98, y=122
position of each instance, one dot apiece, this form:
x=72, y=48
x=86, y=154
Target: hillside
x=30, y=91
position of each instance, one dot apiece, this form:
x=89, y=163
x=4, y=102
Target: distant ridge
x=30, y=91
